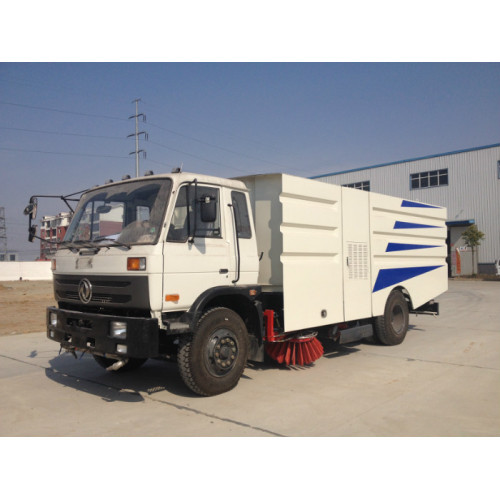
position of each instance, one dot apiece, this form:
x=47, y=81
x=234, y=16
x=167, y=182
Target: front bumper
x=91, y=332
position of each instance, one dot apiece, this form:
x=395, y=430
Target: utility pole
x=3, y=234
x=136, y=135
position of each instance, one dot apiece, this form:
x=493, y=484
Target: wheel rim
x=398, y=319
x=221, y=352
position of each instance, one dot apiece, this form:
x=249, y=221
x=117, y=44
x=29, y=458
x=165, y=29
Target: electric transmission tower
x=3, y=234
x=136, y=135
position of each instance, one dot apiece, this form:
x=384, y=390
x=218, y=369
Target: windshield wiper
x=80, y=244
x=115, y=242
x=85, y=244
x=69, y=246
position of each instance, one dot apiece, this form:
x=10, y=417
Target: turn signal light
x=136, y=264
x=172, y=298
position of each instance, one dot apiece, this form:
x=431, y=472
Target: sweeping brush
x=296, y=351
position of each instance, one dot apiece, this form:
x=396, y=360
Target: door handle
x=223, y=271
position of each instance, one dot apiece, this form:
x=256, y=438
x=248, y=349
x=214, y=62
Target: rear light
x=53, y=264
x=136, y=264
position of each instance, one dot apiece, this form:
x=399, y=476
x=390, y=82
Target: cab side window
x=187, y=205
x=241, y=213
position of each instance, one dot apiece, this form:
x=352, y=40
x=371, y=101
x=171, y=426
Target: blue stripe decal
x=410, y=225
x=397, y=247
x=416, y=204
x=389, y=277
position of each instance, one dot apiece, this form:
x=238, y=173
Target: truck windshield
x=123, y=214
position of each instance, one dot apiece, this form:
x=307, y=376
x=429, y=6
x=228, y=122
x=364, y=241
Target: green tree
x=472, y=238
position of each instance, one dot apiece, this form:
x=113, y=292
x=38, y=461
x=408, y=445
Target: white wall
x=13, y=271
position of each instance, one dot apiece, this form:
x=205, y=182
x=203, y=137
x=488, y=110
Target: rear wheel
x=212, y=359
x=391, y=328
x=131, y=364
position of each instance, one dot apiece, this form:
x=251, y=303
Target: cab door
x=196, y=252
x=241, y=235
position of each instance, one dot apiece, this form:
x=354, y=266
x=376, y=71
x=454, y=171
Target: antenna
x=3, y=234
x=136, y=135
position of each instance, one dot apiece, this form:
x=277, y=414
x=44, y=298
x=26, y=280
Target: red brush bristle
x=295, y=352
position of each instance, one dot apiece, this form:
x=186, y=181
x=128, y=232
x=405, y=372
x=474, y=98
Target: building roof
x=406, y=161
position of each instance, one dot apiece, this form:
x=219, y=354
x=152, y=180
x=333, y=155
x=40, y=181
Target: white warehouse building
x=466, y=182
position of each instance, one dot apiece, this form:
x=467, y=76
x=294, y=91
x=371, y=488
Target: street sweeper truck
x=214, y=272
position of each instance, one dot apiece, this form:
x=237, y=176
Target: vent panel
x=358, y=260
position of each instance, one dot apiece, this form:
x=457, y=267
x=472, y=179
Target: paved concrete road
x=444, y=380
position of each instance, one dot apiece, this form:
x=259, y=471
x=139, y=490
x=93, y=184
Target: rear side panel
x=408, y=241
x=312, y=253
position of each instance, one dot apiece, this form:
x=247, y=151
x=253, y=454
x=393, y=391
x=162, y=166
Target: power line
x=62, y=133
x=183, y=116
x=169, y=165
x=41, y=108
x=61, y=153
x=210, y=126
x=103, y=156
x=154, y=125
x=197, y=157
x=57, y=88
x=238, y=153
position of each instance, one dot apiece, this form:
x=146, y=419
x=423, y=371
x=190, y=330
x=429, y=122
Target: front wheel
x=212, y=359
x=391, y=328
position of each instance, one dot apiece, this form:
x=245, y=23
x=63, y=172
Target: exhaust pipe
x=116, y=366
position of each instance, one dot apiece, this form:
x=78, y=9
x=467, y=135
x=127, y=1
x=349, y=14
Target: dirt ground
x=23, y=303
x=22, y=306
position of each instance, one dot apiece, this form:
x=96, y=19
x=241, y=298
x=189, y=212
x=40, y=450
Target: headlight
x=53, y=319
x=136, y=264
x=118, y=329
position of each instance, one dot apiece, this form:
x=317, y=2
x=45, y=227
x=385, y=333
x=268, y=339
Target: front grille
x=115, y=291
x=95, y=282
x=98, y=297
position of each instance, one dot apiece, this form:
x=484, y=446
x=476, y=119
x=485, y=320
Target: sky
x=64, y=126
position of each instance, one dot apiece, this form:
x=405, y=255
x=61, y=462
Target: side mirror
x=208, y=209
x=31, y=208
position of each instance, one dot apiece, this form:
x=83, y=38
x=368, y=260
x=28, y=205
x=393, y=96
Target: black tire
x=132, y=363
x=213, y=358
x=391, y=328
